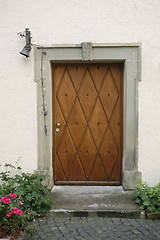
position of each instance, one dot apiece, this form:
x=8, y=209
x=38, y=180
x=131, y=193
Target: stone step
x=100, y=213
x=87, y=201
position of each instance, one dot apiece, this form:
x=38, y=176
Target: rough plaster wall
x=75, y=21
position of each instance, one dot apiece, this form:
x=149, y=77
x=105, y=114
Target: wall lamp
x=27, y=48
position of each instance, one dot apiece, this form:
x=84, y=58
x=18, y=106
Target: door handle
x=58, y=124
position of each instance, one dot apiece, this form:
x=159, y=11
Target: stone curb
x=99, y=213
x=152, y=215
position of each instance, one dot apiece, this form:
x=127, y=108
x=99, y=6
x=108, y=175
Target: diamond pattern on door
x=87, y=152
x=87, y=123
x=87, y=95
x=109, y=94
x=66, y=152
x=108, y=151
x=98, y=123
x=76, y=123
x=66, y=94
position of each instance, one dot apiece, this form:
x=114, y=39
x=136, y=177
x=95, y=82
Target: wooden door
x=87, y=124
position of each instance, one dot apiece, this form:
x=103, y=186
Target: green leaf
x=138, y=200
x=147, y=197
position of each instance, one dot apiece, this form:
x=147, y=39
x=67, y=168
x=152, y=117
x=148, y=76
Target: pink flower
x=9, y=214
x=17, y=211
x=5, y=200
x=13, y=196
x=20, y=203
x=34, y=220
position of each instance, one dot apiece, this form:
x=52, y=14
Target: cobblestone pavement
x=95, y=228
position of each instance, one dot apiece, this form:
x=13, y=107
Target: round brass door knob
x=58, y=124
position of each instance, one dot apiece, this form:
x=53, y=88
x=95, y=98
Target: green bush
x=33, y=192
x=29, y=188
x=148, y=197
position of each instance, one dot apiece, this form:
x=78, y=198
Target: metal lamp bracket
x=27, y=48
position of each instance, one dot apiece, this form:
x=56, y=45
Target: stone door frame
x=130, y=55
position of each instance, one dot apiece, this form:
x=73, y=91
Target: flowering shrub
x=12, y=220
x=23, y=197
x=31, y=189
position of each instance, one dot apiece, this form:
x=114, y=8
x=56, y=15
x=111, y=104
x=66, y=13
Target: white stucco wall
x=75, y=21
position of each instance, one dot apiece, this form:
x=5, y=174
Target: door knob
x=58, y=124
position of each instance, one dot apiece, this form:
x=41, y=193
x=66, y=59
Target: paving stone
x=95, y=228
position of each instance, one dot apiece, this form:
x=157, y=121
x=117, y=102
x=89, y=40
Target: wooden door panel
x=108, y=151
x=65, y=94
x=109, y=94
x=77, y=72
x=76, y=172
x=87, y=95
x=87, y=102
x=76, y=123
x=87, y=152
x=98, y=73
x=98, y=123
x=60, y=118
x=58, y=169
x=97, y=172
